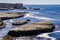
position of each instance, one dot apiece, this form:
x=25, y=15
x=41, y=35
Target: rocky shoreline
x=24, y=29
x=29, y=30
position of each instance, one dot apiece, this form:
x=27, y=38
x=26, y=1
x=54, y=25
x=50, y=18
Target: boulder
x=34, y=8
x=20, y=22
x=2, y=25
x=32, y=29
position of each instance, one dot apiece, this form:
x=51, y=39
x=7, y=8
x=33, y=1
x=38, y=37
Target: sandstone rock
x=20, y=22
x=43, y=23
x=7, y=37
x=32, y=29
x=5, y=16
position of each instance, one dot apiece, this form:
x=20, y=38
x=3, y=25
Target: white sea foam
x=31, y=15
x=45, y=35
x=38, y=17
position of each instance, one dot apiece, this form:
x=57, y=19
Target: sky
x=31, y=1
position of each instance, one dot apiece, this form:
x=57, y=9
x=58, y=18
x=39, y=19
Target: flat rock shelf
x=32, y=29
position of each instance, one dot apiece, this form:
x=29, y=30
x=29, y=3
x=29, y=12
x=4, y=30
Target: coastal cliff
x=11, y=5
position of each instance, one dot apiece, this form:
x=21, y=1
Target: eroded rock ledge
x=32, y=29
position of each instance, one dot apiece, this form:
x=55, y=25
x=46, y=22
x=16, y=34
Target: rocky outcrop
x=36, y=8
x=5, y=16
x=32, y=29
x=23, y=8
x=20, y=22
x=8, y=6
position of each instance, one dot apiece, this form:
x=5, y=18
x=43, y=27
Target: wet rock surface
x=32, y=29
x=20, y=22
x=7, y=37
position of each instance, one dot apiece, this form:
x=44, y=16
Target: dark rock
x=20, y=22
x=32, y=29
x=8, y=6
x=24, y=8
x=17, y=5
x=2, y=25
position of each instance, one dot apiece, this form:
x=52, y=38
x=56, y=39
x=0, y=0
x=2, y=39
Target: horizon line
x=37, y=4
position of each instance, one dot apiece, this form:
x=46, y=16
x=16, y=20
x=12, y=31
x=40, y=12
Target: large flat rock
x=32, y=29
x=11, y=15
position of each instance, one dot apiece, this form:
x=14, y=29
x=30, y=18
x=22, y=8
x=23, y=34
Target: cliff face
x=17, y=6
x=10, y=6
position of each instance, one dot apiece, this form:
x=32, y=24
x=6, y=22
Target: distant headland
x=11, y=5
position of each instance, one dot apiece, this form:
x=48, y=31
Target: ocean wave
x=32, y=15
x=55, y=34
x=45, y=35
x=38, y=17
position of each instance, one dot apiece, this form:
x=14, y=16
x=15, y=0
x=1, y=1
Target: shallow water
x=46, y=13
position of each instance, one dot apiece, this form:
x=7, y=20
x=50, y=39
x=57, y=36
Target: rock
x=43, y=23
x=20, y=22
x=34, y=8
x=9, y=6
x=17, y=5
x=2, y=25
x=32, y=29
x=7, y=37
x=24, y=8
x=5, y=16
x=6, y=8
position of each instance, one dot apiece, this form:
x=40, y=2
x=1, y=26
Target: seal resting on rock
x=32, y=29
x=20, y=22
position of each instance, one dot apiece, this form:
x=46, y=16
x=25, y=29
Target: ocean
x=46, y=13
